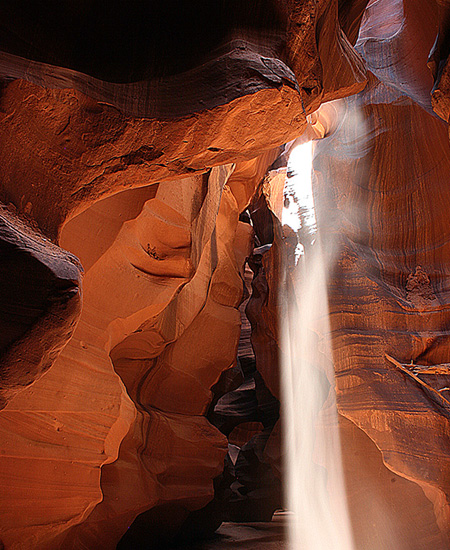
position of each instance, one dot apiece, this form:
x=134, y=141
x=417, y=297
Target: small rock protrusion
x=418, y=288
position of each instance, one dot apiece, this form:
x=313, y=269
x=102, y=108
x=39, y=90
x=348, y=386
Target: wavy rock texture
x=172, y=256
x=384, y=220
x=83, y=142
x=40, y=299
x=151, y=258
x=73, y=132
x=78, y=150
x=438, y=62
x=388, y=292
x=130, y=56
x=247, y=415
x=139, y=160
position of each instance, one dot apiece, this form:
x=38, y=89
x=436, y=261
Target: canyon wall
x=134, y=138
x=381, y=191
x=142, y=171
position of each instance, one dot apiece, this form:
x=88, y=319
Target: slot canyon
x=209, y=211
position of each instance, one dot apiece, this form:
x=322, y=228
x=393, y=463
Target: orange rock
x=141, y=168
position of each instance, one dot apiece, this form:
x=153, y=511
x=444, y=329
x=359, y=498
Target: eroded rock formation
x=382, y=197
x=148, y=143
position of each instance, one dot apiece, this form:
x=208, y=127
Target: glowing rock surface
x=125, y=165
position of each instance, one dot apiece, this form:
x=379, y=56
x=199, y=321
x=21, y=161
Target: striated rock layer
x=381, y=193
x=135, y=137
x=142, y=170
x=73, y=131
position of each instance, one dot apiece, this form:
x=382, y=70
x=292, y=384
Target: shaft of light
x=314, y=481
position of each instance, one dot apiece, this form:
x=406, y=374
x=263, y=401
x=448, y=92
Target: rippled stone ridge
x=142, y=166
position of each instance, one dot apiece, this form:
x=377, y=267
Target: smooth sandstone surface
x=383, y=216
x=140, y=180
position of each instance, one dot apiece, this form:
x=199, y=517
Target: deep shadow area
x=130, y=41
x=251, y=536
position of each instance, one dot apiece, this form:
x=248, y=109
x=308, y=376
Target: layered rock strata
x=381, y=198
x=76, y=127
x=142, y=172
